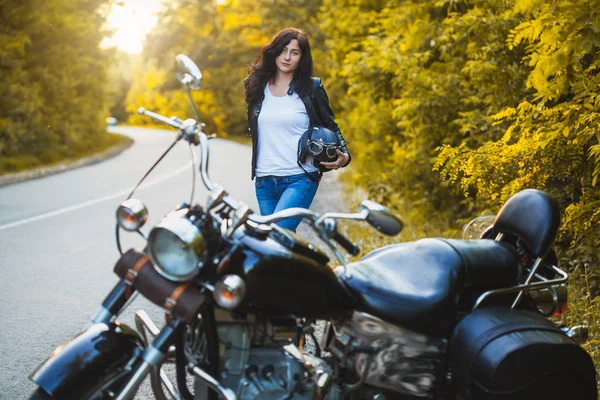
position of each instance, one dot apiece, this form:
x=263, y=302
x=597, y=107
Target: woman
x=283, y=101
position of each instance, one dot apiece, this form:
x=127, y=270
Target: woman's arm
x=328, y=120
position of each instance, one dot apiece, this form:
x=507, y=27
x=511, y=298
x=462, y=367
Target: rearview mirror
x=381, y=218
x=191, y=75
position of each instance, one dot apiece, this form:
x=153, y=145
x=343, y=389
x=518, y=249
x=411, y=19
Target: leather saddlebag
x=182, y=300
x=498, y=353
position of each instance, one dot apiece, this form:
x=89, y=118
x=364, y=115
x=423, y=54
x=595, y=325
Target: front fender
x=98, y=359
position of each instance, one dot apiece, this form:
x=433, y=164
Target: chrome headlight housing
x=177, y=247
x=132, y=214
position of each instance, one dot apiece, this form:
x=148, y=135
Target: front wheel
x=202, y=348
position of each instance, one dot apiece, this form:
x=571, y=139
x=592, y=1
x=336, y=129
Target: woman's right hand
x=340, y=162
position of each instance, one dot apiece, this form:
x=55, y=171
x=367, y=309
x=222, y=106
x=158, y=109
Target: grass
x=583, y=309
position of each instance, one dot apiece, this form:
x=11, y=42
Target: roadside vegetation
x=59, y=155
x=449, y=107
x=53, y=82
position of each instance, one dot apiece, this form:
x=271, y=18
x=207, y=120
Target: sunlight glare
x=132, y=20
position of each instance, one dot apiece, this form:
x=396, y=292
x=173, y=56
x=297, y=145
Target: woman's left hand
x=340, y=161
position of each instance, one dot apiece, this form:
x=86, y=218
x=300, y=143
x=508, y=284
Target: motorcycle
x=432, y=319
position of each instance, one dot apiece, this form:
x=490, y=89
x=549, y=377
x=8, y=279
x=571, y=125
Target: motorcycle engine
x=258, y=361
x=387, y=356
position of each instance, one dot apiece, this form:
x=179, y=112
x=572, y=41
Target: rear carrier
x=499, y=353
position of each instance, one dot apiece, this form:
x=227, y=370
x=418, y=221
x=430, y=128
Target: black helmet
x=320, y=143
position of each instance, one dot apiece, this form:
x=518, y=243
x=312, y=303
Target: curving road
x=57, y=247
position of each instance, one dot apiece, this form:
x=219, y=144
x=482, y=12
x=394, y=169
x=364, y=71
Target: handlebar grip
x=346, y=244
x=171, y=122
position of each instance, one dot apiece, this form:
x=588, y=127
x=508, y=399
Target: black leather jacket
x=319, y=112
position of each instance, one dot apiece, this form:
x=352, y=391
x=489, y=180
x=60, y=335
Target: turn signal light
x=229, y=291
x=132, y=214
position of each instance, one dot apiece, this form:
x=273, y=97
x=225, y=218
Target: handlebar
x=294, y=212
x=169, y=121
x=346, y=244
x=194, y=133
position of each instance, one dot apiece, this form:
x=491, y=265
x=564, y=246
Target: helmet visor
x=316, y=148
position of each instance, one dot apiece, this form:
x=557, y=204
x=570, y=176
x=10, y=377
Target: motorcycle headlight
x=177, y=248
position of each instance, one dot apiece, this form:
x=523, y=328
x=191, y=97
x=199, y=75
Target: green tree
x=550, y=136
x=53, y=79
x=223, y=39
x=121, y=79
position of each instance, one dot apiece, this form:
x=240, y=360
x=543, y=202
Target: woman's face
x=288, y=60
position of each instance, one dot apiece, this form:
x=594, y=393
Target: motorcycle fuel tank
x=285, y=276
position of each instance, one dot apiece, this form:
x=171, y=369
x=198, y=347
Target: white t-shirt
x=281, y=123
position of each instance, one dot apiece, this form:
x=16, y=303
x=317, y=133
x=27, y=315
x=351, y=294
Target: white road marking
x=93, y=202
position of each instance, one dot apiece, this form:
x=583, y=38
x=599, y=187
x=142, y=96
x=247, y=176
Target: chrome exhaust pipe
x=579, y=333
x=550, y=301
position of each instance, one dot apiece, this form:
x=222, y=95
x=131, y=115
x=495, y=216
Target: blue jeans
x=276, y=193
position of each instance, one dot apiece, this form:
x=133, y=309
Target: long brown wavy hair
x=264, y=68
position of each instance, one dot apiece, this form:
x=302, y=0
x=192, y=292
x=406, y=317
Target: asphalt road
x=57, y=246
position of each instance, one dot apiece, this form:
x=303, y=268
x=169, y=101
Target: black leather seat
x=417, y=284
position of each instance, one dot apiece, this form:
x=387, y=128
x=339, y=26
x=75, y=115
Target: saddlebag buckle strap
x=130, y=277
x=171, y=301
x=169, y=305
x=133, y=273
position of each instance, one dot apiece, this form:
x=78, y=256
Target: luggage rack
x=530, y=284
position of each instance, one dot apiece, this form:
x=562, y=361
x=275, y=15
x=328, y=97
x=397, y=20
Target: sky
x=132, y=20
